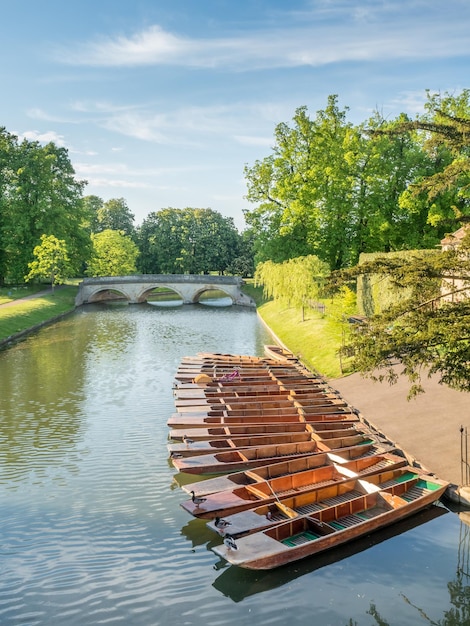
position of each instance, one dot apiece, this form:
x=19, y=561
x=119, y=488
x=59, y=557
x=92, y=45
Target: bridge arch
x=143, y=296
x=107, y=295
x=197, y=294
x=134, y=288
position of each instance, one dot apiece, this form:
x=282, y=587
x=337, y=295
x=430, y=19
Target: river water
x=91, y=530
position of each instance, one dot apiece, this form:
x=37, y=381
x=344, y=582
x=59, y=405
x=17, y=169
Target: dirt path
x=39, y=294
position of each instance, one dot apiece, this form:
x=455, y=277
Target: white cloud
x=329, y=33
x=43, y=137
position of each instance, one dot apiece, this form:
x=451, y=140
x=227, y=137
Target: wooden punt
x=267, y=503
x=184, y=421
x=231, y=399
x=226, y=462
x=227, y=432
x=215, y=390
x=295, y=473
x=255, y=408
x=193, y=448
x=232, y=373
x=279, y=508
x=248, y=377
x=247, y=393
x=308, y=535
x=278, y=353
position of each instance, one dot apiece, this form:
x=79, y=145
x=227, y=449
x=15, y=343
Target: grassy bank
x=23, y=314
x=316, y=339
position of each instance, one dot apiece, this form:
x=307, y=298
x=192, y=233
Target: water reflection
x=237, y=583
x=92, y=531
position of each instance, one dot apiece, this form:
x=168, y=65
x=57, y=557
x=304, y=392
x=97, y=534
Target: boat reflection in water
x=238, y=583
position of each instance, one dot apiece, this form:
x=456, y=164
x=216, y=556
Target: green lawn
x=316, y=340
x=27, y=313
x=9, y=293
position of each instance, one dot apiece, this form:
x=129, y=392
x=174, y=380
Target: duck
x=221, y=523
x=196, y=499
x=229, y=542
x=187, y=440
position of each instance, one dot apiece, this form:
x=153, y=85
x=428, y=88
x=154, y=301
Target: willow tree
x=297, y=281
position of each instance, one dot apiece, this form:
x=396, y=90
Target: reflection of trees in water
x=40, y=400
x=459, y=589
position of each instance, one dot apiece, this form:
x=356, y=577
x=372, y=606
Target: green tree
x=426, y=329
x=306, y=189
x=115, y=215
x=441, y=195
x=52, y=261
x=385, y=165
x=91, y=206
x=337, y=190
x=193, y=241
x=280, y=185
x=296, y=281
x=243, y=264
x=114, y=254
x=42, y=196
x=8, y=147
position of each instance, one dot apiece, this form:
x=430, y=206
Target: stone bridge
x=136, y=289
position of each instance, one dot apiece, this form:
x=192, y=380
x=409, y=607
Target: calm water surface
x=91, y=529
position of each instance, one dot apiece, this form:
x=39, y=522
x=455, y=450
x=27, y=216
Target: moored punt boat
x=193, y=448
x=184, y=421
x=278, y=509
x=295, y=473
x=193, y=390
x=228, y=373
x=227, y=432
x=270, y=502
x=276, y=352
x=226, y=462
x=281, y=399
x=308, y=535
x=253, y=408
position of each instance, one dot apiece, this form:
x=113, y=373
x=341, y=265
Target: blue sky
x=163, y=102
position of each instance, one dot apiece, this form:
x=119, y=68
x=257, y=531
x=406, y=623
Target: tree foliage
x=38, y=194
x=336, y=190
x=114, y=254
x=295, y=281
x=427, y=330
x=115, y=215
x=52, y=261
x=444, y=134
x=191, y=241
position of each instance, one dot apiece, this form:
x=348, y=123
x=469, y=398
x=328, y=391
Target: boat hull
x=306, y=536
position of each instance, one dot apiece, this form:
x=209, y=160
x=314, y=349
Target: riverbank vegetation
x=315, y=334
x=21, y=315
x=330, y=194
